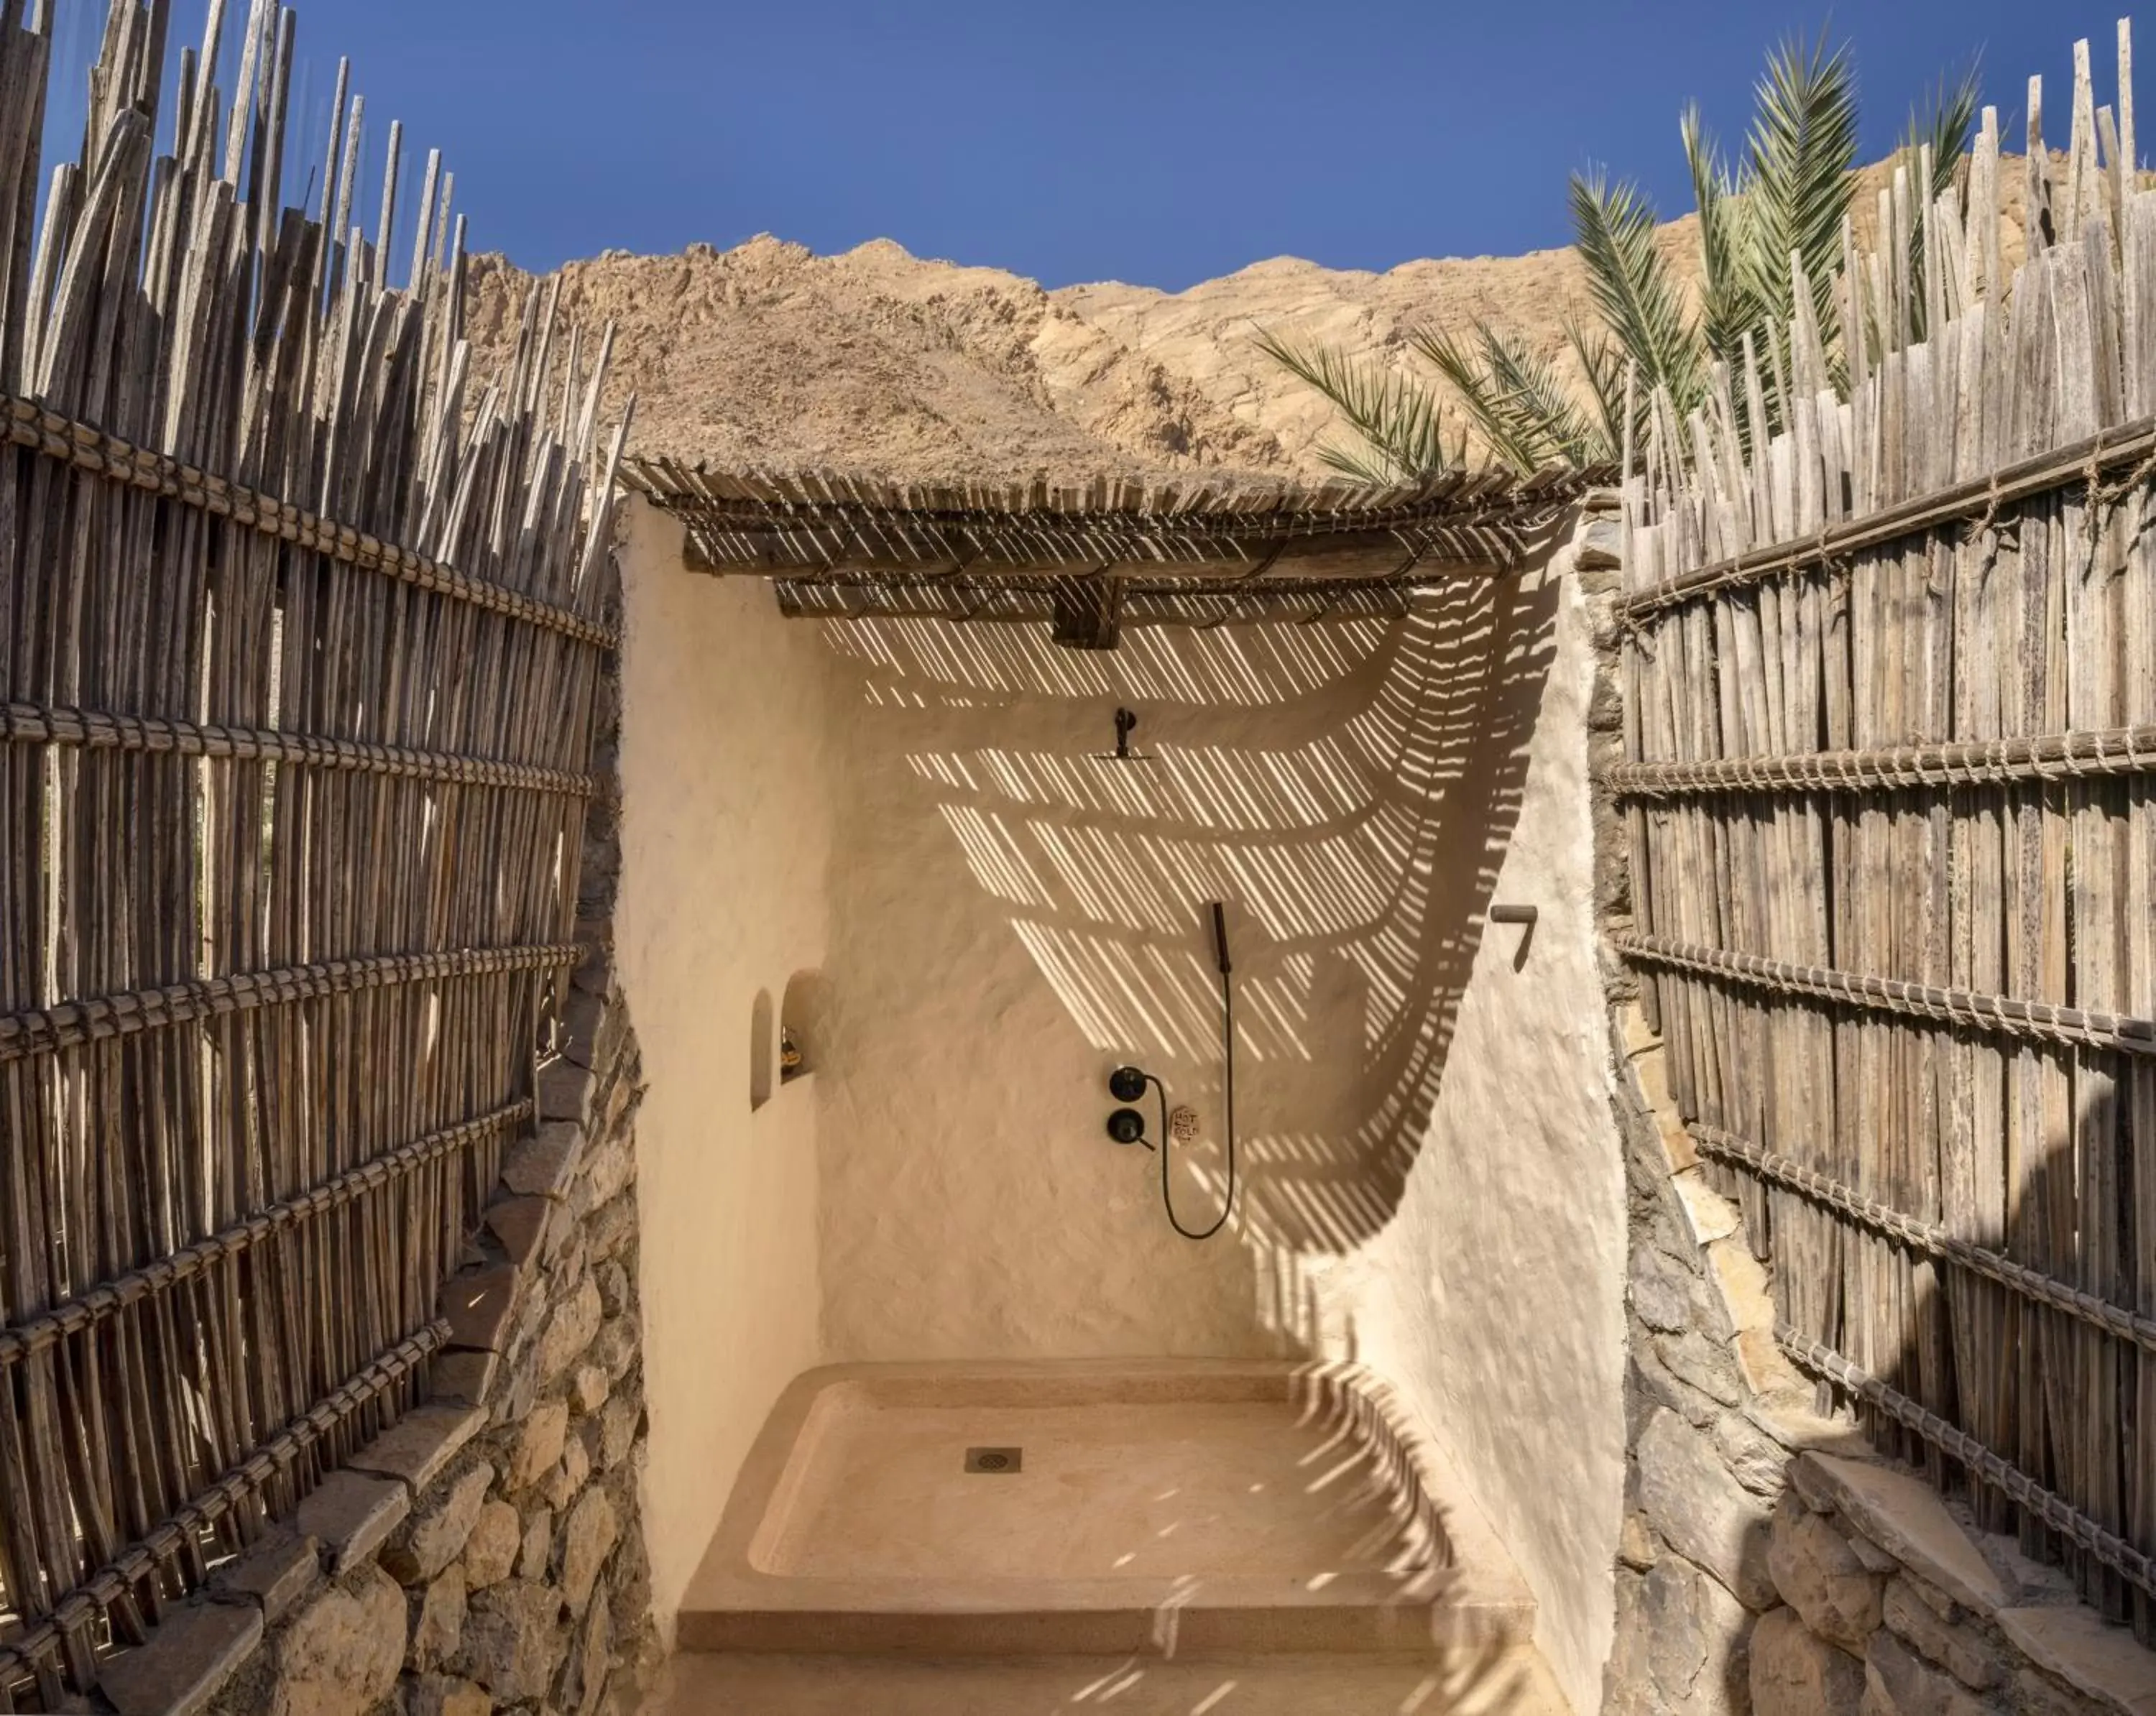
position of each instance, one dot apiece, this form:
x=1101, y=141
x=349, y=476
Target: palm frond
x=1946, y=122
x=1528, y=413
x=1799, y=157
x=1399, y=421
x=1603, y=363
x=1726, y=308
x=1631, y=285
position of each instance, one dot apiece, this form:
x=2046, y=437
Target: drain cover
x=994, y=1459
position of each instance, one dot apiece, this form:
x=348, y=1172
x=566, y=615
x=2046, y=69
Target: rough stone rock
x=1899, y=1683
x=1628, y=1687
x=478, y=1303
x=2037, y=1694
x=1710, y=1215
x=437, y=1537
x=1874, y=1558
x=1651, y=1386
x=1703, y=1512
x=617, y=1432
x=1661, y=1290
x=351, y=1514
x=1755, y=1459
x=1696, y=1651
x=465, y=1376
x=190, y=1655
x=420, y=1444
x=542, y=1164
x=514, y=1401
x=490, y=1550
x=446, y=1695
x=512, y=1640
x=587, y=1538
x=1796, y=1673
x=614, y=1348
x=340, y=1656
x=609, y=1227
x=1635, y=1542
x=1704, y=1364
x=565, y=1091
x=613, y=1281
x=1905, y=1517
x=441, y=1622
x=1957, y=1649
x=612, y=1166
x=518, y=1223
x=2102, y=1663
x=589, y=1659
x=273, y=1575
x=563, y=1485
x=538, y=1543
x=1936, y=1600
x=589, y=1389
x=570, y=1331
x=539, y=1446
x=1820, y=1576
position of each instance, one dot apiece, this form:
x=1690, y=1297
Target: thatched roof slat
x=1210, y=552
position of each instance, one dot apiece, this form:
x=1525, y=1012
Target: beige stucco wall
x=1432, y=1180
x=1493, y=1297
x=1431, y=1174
x=725, y=836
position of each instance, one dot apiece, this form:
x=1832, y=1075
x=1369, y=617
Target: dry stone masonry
x=1770, y=1560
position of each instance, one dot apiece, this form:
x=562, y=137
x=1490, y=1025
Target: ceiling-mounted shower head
x=1125, y=719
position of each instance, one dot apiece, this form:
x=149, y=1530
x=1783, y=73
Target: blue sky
x=1159, y=143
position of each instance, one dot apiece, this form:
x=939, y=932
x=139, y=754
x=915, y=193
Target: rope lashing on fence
x=46, y=1031
x=27, y=424
x=2009, y=1015
x=32, y=724
x=107, y=1299
x=2129, y=446
x=2000, y=761
x=1928, y=1237
x=2114, y=1552
x=113, y=1590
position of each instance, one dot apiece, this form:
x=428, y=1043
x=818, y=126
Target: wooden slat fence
x=1890, y=675
x=299, y=636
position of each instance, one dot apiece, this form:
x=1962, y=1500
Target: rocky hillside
x=768, y=355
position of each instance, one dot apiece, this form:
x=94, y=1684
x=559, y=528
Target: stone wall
x=487, y=1553
x=1770, y=1560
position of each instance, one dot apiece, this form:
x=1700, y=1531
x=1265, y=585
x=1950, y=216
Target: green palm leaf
x=1399, y=420
x=1527, y=411
x=1728, y=309
x=1948, y=123
x=1798, y=158
x=1630, y=285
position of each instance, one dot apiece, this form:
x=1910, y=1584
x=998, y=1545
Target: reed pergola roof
x=1093, y=556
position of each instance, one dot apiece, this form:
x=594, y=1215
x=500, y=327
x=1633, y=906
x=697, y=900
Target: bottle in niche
x=789, y=1054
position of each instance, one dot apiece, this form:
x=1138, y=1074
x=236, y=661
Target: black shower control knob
x=1127, y=1126
x=1126, y=1084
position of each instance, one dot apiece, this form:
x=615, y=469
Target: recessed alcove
x=801, y=1024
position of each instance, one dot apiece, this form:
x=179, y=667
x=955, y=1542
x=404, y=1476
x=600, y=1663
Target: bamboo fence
x=1890, y=677
x=301, y=636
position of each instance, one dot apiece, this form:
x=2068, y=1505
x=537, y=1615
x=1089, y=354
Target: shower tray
x=1108, y=1507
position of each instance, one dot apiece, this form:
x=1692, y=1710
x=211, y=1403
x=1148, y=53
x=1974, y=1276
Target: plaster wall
x=1431, y=1177
x=1494, y=1298
x=727, y=793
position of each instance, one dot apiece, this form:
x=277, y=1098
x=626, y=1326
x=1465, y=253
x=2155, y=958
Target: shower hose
x=1227, y=1058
